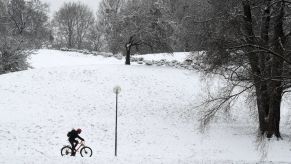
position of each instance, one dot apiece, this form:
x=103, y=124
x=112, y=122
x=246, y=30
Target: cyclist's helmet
x=79, y=130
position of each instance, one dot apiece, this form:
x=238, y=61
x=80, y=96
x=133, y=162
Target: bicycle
x=85, y=151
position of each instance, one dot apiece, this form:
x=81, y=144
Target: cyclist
x=73, y=134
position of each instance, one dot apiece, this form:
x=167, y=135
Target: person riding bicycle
x=73, y=134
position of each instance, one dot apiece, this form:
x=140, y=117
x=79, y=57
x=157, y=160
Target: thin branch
x=262, y=48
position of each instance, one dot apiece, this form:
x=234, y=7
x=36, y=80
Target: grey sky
x=54, y=5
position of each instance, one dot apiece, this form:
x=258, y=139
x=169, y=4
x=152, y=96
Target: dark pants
x=74, y=143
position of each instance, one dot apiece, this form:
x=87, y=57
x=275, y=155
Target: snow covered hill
x=157, y=123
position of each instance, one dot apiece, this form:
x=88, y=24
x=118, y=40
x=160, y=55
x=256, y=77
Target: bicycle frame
x=81, y=144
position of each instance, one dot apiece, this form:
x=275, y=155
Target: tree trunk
x=274, y=114
x=262, y=105
x=275, y=87
x=70, y=37
x=127, y=48
x=79, y=42
x=254, y=63
x=263, y=94
x=269, y=94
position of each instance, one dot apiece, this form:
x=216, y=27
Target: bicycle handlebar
x=82, y=142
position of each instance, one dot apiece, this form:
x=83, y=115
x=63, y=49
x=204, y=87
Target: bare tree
x=84, y=21
x=65, y=20
x=247, y=43
x=142, y=25
x=72, y=22
x=18, y=27
x=109, y=23
x=96, y=38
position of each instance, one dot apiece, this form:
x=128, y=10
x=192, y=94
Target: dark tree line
x=130, y=27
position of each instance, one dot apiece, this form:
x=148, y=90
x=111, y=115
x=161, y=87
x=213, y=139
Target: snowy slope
x=157, y=123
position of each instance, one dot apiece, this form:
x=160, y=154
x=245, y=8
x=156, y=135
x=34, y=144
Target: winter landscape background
x=201, y=81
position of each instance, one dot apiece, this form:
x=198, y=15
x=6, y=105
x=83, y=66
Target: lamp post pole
x=116, y=90
x=116, y=126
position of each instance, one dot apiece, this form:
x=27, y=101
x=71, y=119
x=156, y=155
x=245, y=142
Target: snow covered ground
x=157, y=123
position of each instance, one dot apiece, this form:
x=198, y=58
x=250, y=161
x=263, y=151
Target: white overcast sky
x=54, y=5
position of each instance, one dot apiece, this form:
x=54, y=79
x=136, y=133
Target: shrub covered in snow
x=64, y=49
x=12, y=60
x=148, y=62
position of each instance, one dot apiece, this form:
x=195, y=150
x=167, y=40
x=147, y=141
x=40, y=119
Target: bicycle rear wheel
x=66, y=150
x=86, y=151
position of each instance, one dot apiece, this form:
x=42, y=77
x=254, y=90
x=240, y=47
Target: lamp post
x=116, y=90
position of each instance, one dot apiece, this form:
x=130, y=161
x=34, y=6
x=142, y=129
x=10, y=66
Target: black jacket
x=74, y=134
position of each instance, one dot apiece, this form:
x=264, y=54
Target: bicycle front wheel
x=66, y=150
x=86, y=151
